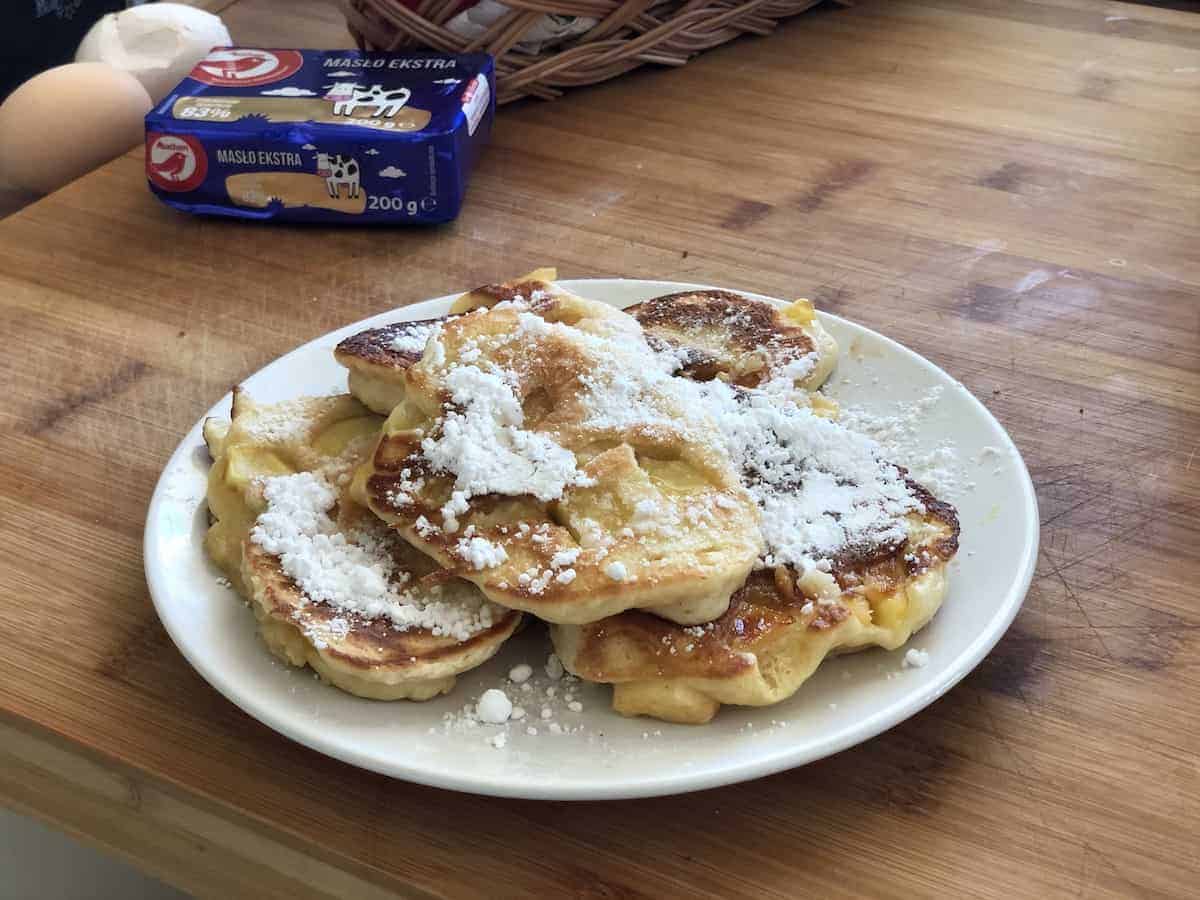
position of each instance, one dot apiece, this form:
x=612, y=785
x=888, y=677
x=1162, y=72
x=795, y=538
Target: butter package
x=338, y=136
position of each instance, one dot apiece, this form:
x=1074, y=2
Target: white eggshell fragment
x=158, y=44
x=68, y=120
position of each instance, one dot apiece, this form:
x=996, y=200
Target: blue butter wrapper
x=337, y=136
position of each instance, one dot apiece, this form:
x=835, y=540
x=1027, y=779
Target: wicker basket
x=629, y=34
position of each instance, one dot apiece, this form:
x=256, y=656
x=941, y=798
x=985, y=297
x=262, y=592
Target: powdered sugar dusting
x=413, y=338
x=481, y=441
x=901, y=431
x=785, y=375
x=275, y=424
x=819, y=487
x=355, y=572
x=552, y=699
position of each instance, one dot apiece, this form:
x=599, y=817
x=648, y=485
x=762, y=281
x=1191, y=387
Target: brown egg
x=67, y=121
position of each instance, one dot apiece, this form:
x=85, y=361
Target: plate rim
x=684, y=781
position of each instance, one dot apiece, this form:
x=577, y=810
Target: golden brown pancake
x=776, y=632
x=320, y=441
x=720, y=334
x=528, y=288
x=642, y=513
x=713, y=334
x=376, y=360
x=366, y=656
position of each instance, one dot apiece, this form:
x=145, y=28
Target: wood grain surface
x=1010, y=188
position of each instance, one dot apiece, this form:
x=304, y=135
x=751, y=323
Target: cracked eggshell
x=68, y=120
x=157, y=44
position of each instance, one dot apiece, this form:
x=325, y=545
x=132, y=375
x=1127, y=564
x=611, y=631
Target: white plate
x=850, y=699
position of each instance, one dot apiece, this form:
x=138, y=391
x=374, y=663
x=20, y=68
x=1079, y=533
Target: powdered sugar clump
x=616, y=571
x=481, y=553
x=354, y=572
x=554, y=699
x=481, y=441
x=916, y=659
x=413, y=337
x=494, y=707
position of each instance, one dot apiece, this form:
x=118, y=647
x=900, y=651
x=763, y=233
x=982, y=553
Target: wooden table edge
x=198, y=844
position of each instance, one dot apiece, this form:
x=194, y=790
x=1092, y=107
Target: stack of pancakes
x=662, y=486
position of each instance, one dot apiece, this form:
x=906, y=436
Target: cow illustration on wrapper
x=379, y=102
x=338, y=170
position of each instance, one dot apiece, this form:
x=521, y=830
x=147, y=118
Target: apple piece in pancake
x=308, y=434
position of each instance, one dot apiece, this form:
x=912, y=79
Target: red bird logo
x=171, y=168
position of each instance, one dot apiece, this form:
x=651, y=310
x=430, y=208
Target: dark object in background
x=38, y=34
